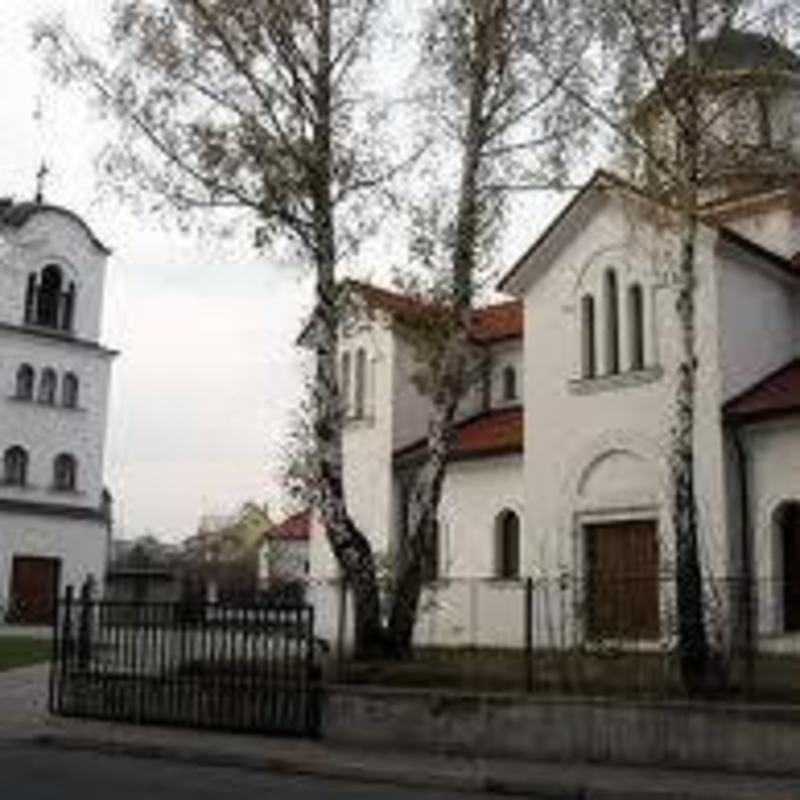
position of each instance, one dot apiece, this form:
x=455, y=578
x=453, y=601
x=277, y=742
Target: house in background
x=561, y=459
x=283, y=557
x=54, y=514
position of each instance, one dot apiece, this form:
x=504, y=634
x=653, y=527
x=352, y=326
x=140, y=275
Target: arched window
x=588, y=359
x=25, y=378
x=15, y=466
x=47, y=386
x=30, y=299
x=49, y=301
x=68, y=308
x=64, y=472
x=507, y=545
x=344, y=383
x=509, y=383
x=361, y=382
x=789, y=532
x=636, y=326
x=611, y=322
x=69, y=390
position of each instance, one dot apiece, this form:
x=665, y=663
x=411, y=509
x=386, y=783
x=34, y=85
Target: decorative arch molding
x=66, y=265
x=617, y=255
x=615, y=441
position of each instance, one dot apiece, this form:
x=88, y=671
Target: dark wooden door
x=622, y=591
x=34, y=589
x=791, y=570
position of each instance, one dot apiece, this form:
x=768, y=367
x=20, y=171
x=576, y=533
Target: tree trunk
x=692, y=640
x=350, y=546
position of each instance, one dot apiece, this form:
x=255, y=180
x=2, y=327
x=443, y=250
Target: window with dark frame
x=15, y=466
x=588, y=358
x=64, y=472
x=69, y=391
x=509, y=383
x=25, y=381
x=611, y=297
x=636, y=326
x=47, y=386
x=507, y=546
x=359, y=401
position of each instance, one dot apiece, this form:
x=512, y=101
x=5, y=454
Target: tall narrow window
x=344, y=383
x=47, y=386
x=64, y=472
x=611, y=322
x=588, y=362
x=49, y=300
x=25, y=377
x=507, y=545
x=361, y=383
x=15, y=466
x=69, y=391
x=68, y=308
x=636, y=326
x=30, y=299
x=509, y=383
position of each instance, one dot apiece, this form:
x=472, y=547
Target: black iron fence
x=246, y=668
x=593, y=634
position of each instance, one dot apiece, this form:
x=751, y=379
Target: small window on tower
x=25, y=378
x=47, y=386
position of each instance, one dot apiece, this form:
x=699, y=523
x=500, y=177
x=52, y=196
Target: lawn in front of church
x=21, y=651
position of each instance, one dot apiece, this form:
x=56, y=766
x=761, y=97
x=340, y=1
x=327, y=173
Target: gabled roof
x=17, y=214
x=491, y=324
x=495, y=432
x=603, y=181
x=295, y=528
x=776, y=395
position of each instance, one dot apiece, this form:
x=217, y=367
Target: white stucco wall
x=52, y=238
x=759, y=322
x=80, y=545
x=572, y=426
x=45, y=431
x=773, y=477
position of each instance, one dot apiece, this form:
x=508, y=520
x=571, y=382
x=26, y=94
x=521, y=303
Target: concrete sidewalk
x=23, y=716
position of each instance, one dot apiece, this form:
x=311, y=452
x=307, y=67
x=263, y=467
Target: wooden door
x=622, y=590
x=34, y=589
x=791, y=569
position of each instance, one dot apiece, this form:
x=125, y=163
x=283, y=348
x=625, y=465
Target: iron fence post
x=529, y=634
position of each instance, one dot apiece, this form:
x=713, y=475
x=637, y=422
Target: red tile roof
x=776, y=395
x=491, y=433
x=494, y=323
x=293, y=529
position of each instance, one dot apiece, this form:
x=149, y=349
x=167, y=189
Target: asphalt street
x=30, y=772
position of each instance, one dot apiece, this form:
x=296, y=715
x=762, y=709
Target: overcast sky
x=208, y=371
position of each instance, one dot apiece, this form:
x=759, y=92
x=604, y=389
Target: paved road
x=28, y=772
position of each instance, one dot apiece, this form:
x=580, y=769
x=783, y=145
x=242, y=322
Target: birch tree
x=687, y=142
x=503, y=116
x=253, y=107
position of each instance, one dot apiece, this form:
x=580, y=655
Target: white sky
x=208, y=374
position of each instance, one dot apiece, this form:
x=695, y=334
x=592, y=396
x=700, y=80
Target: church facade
x=561, y=460
x=54, y=510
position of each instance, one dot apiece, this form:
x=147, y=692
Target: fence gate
x=240, y=669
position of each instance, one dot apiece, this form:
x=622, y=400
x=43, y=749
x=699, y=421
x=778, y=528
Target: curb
x=477, y=777
x=425, y=778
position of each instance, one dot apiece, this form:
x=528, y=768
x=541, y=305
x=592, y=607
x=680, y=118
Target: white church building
x=561, y=459
x=54, y=511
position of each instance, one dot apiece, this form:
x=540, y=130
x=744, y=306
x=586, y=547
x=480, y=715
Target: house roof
x=295, y=528
x=776, y=395
x=603, y=180
x=492, y=433
x=493, y=323
x=17, y=214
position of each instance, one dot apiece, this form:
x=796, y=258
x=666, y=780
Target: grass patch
x=21, y=651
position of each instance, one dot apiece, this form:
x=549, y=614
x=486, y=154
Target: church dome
x=749, y=105
x=742, y=51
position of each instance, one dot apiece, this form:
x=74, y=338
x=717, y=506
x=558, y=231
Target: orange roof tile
x=491, y=433
x=776, y=395
x=295, y=528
